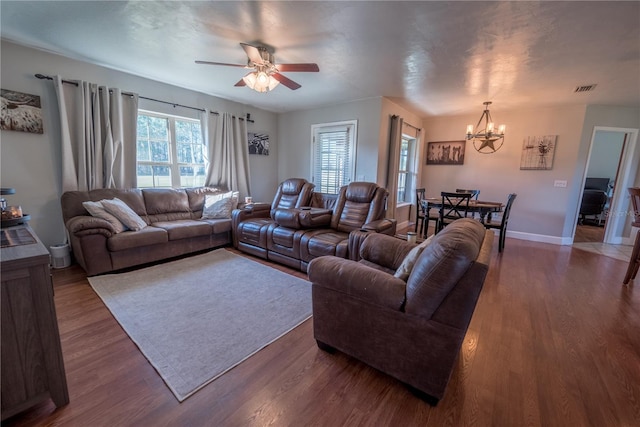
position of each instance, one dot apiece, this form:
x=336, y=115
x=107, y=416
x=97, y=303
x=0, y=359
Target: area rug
x=198, y=317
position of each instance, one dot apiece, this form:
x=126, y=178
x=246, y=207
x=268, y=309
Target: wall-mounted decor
x=445, y=153
x=537, y=152
x=258, y=143
x=20, y=111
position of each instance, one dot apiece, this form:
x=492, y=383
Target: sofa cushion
x=409, y=261
x=124, y=213
x=196, y=197
x=442, y=264
x=220, y=225
x=97, y=210
x=166, y=204
x=135, y=239
x=220, y=205
x=184, y=228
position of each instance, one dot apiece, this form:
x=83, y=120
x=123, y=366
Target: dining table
x=483, y=208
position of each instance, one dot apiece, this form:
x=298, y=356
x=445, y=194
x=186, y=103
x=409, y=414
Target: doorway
x=601, y=174
x=618, y=147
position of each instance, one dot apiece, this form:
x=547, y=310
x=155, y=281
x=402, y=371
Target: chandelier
x=261, y=80
x=485, y=139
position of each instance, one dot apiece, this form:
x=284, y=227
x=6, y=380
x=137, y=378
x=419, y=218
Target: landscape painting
x=258, y=143
x=21, y=112
x=445, y=152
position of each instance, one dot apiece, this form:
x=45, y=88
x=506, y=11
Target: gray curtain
x=395, y=141
x=98, y=132
x=227, y=152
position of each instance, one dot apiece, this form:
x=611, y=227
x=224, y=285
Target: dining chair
x=502, y=225
x=474, y=193
x=423, y=213
x=634, y=262
x=454, y=206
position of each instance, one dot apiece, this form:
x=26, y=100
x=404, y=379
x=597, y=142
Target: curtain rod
x=411, y=126
x=71, y=82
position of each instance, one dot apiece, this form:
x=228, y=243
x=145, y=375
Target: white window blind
x=333, y=155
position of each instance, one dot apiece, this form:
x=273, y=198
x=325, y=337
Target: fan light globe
x=260, y=81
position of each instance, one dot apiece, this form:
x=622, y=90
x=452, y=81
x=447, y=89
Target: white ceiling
x=433, y=57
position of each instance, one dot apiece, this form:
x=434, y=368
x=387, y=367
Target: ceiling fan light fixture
x=260, y=81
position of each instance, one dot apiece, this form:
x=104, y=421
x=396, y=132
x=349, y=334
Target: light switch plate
x=560, y=183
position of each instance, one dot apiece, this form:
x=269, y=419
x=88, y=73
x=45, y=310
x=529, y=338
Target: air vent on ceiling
x=585, y=88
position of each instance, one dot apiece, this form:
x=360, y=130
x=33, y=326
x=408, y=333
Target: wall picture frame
x=21, y=112
x=258, y=143
x=446, y=152
x=538, y=152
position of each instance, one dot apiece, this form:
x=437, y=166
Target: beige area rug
x=198, y=317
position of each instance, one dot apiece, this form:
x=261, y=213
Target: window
x=333, y=155
x=169, y=152
x=406, y=170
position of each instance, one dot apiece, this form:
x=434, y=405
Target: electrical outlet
x=560, y=183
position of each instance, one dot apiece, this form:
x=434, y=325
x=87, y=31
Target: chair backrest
x=507, y=209
x=474, y=193
x=635, y=202
x=358, y=203
x=454, y=205
x=420, y=192
x=292, y=193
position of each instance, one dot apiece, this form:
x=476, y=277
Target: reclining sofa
x=174, y=227
x=410, y=328
x=309, y=225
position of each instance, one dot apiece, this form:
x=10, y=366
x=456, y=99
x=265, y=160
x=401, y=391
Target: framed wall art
x=20, y=111
x=445, y=152
x=538, y=152
x=259, y=143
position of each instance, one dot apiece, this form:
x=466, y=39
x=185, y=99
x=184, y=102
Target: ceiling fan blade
x=286, y=81
x=253, y=53
x=312, y=68
x=240, y=83
x=220, y=63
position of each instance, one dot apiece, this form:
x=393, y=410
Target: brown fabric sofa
x=295, y=236
x=410, y=330
x=174, y=227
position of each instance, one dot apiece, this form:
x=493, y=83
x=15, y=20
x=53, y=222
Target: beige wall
x=541, y=212
x=31, y=163
x=294, y=158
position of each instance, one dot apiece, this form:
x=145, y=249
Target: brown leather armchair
x=359, y=205
x=409, y=330
x=250, y=223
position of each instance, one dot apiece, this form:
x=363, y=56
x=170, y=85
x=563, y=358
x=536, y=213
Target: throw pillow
x=220, y=205
x=124, y=213
x=409, y=261
x=96, y=209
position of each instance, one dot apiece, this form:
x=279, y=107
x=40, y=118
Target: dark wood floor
x=588, y=233
x=554, y=341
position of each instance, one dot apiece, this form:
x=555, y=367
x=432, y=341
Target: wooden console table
x=32, y=366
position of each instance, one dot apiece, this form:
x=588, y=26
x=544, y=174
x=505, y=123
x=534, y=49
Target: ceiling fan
x=266, y=75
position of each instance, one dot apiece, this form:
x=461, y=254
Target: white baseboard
x=555, y=240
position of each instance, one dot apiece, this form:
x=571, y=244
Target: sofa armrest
x=87, y=225
x=358, y=281
x=384, y=226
